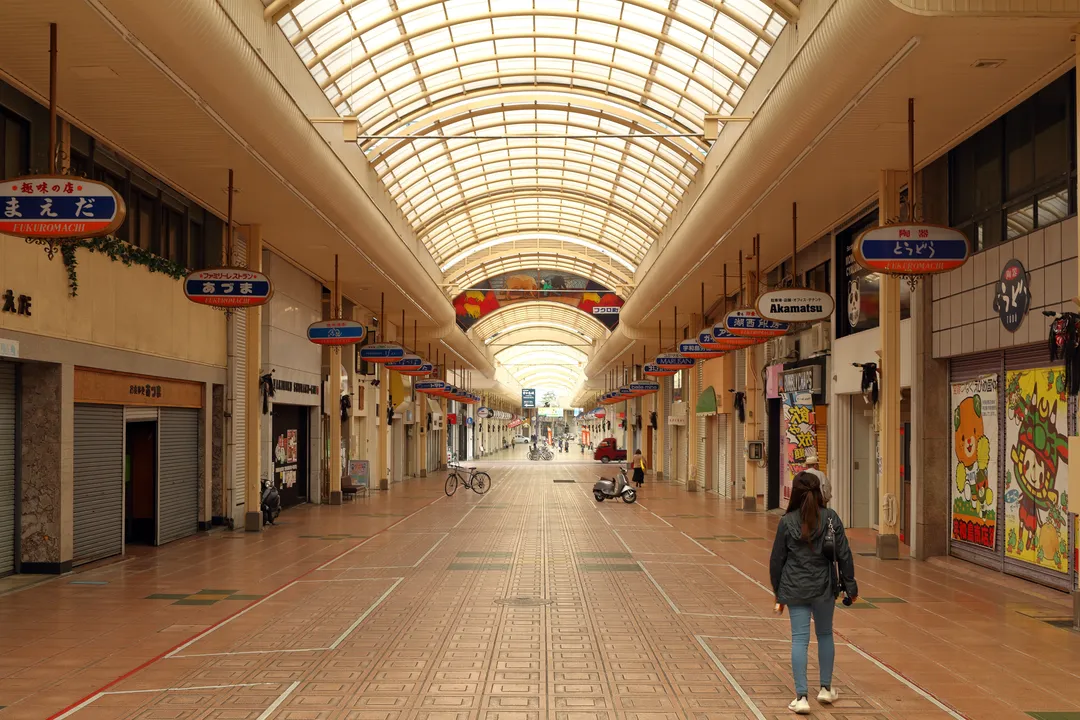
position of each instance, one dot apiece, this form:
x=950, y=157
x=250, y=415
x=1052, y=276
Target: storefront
x=137, y=461
x=9, y=485
x=292, y=365
x=803, y=420
x=677, y=429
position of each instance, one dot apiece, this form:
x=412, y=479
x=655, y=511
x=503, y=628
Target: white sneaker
x=799, y=706
x=827, y=696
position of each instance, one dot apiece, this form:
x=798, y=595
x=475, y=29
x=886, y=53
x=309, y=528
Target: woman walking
x=805, y=580
x=637, y=464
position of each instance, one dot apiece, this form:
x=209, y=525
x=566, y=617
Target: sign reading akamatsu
x=795, y=305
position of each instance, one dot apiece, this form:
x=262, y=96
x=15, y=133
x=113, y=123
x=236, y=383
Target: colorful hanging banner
x=1037, y=468
x=975, y=450
x=59, y=207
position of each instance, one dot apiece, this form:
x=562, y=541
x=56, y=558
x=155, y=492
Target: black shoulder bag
x=828, y=549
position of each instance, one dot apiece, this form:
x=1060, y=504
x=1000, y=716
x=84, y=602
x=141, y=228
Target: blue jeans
x=800, y=641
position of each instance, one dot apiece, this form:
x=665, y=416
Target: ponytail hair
x=806, y=498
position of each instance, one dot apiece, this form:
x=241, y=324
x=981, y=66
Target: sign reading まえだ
x=48, y=207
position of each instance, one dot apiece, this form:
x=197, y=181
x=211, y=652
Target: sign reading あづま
x=911, y=250
x=228, y=288
x=975, y=475
x=336, y=332
x=795, y=305
x=60, y=207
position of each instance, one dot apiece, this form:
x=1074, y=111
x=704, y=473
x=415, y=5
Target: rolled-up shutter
x=7, y=468
x=723, y=466
x=178, y=474
x=238, y=385
x=702, y=430
x=669, y=393
x=98, y=500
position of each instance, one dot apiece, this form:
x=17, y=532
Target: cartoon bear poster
x=974, y=462
x=1037, y=468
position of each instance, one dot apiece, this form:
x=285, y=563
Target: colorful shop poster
x=975, y=452
x=800, y=438
x=1037, y=468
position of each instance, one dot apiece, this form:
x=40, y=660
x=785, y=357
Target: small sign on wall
x=1012, y=295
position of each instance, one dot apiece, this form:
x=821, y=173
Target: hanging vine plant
x=118, y=251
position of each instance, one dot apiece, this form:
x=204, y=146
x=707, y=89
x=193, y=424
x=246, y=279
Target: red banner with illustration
x=1037, y=468
x=975, y=450
x=501, y=290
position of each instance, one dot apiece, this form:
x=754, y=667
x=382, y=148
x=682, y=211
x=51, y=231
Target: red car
x=607, y=451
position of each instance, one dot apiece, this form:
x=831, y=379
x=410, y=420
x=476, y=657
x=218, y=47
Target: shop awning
x=434, y=408
x=706, y=402
x=405, y=411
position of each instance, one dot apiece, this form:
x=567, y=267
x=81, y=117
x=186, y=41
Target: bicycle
x=477, y=480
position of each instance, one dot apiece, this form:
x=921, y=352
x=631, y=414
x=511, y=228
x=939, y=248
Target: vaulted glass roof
x=491, y=119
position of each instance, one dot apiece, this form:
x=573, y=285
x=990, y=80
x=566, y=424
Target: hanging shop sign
x=655, y=370
x=600, y=413
x=528, y=398
x=675, y=361
x=484, y=412
x=911, y=250
x=747, y=323
x=424, y=369
x=1012, y=295
x=406, y=363
x=59, y=207
x=228, y=288
x=724, y=340
x=644, y=387
x=693, y=349
x=513, y=424
x=708, y=343
x=336, y=332
x=381, y=353
x=430, y=387
x=796, y=305
x=625, y=393
x=801, y=380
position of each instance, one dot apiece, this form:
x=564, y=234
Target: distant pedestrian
x=813, y=469
x=637, y=464
x=805, y=581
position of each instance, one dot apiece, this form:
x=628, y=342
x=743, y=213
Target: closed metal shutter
x=238, y=385
x=669, y=431
x=178, y=474
x=7, y=468
x=702, y=431
x=723, y=467
x=98, y=482
x=737, y=455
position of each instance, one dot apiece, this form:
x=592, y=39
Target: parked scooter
x=271, y=502
x=611, y=488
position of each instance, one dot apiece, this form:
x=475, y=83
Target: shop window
x=15, y=148
x=1017, y=174
x=818, y=278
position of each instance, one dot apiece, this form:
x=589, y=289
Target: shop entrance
x=140, y=483
x=290, y=451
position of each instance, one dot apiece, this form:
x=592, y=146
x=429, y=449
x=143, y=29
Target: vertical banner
x=800, y=436
x=1037, y=468
x=975, y=453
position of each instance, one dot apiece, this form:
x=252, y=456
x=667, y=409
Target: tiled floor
x=530, y=602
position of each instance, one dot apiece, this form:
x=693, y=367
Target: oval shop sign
x=381, y=353
x=59, y=207
x=911, y=249
x=336, y=332
x=747, y=323
x=228, y=288
x=793, y=305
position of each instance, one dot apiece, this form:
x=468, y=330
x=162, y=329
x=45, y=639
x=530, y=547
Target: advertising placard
x=974, y=416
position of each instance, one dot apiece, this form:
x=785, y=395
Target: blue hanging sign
x=911, y=250
x=644, y=387
x=59, y=207
x=528, y=398
x=675, y=361
x=721, y=339
x=695, y=350
x=228, y=288
x=336, y=332
x=406, y=363
x=656, y=370
x=424, y=369
x=747, y=323
x=380, y=353
x=431, y=387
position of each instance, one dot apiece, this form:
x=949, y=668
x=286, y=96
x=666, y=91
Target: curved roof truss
x=475, y=272
x=538, y=313
x=577, y=117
